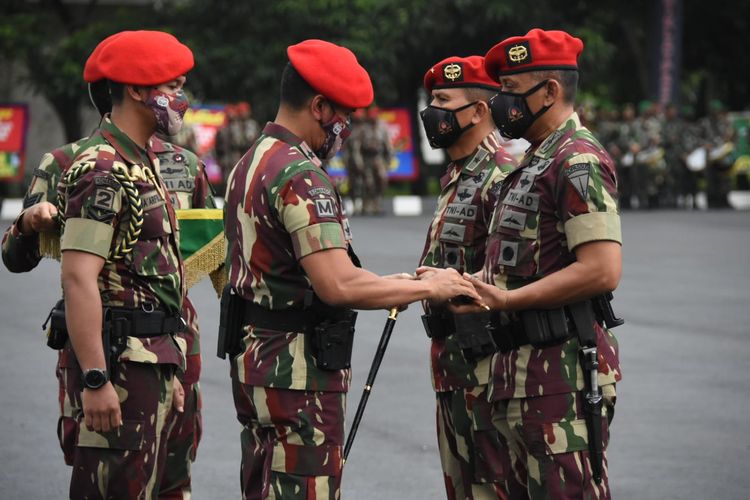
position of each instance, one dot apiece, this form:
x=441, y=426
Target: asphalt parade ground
x=678, y=432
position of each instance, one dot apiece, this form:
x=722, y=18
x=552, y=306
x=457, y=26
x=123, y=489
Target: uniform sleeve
x=587, y=199
x=93, y=205
x=309, y=211
x=21, y=252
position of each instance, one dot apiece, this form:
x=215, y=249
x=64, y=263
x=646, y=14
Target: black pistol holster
x=57, y=335
x=437, y=324
x=544, y=327
x=231, y=320
x=475, y=334
x=332, y=339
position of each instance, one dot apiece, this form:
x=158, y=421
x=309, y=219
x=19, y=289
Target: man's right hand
x=446, y=284
x=101, y=408
x=39, y=218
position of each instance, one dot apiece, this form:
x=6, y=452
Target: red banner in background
x=14, y=119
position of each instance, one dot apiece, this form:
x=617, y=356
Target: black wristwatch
x=94, y=378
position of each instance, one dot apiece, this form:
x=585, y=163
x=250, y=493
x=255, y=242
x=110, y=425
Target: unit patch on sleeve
x=578, y=176
x=32, y=199
x=325, y=207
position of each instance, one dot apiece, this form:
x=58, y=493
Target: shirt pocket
x=152, y=255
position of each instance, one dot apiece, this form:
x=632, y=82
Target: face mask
x=441, y=125
x=511, y=112
x=168, y=109
x=337, y=130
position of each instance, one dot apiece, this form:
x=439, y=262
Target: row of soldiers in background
x=662, y=156
x=367, y=154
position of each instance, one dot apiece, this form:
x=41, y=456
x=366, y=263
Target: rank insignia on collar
x=453, y=72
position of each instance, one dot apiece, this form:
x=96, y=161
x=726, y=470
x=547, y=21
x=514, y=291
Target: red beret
x=333, y=71
x=538, y=50
x=91, y=71
x=459, y=72
x=141, y=58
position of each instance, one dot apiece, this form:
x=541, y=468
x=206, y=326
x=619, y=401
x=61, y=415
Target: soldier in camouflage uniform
x=291, y=263
x=475, y=463
x=371, y=153
x=188, y=187
x=554, y=241
x=119, y=249
x=718, y=134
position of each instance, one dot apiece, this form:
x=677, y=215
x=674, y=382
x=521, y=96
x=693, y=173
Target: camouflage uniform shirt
x=563, y=194
x=96, y=220
x=280, y=207
x=456, y=238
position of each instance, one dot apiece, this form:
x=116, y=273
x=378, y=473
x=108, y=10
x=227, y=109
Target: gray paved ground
x=679, y=431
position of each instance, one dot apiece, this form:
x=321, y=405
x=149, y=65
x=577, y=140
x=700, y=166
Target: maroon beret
x=333, y=71
x=538, y=50
x=141, y=58
x=459, y=72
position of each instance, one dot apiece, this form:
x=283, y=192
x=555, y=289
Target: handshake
x=461, y=294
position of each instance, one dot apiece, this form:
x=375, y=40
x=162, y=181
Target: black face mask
x=511, y=112
x=441, y=125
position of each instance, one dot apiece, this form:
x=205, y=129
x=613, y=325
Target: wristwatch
x=94, y=378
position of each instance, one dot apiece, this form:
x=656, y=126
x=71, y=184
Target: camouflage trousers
x=292, y=442
x=548, y=443
x=126, y=463
x=474, y=459
x=182, y=445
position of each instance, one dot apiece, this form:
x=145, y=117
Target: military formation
x=515, y=278
x=665, y=159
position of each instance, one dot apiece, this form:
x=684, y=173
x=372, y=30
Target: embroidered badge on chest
x=325, y=207
x=537, y=165
x=464, y=194
x=152, y=199
x=508, y=253
x=464, y=211
x=578, y=176
x=453, y=232
x=511, y=219
x=525, y=182
x=521, y=199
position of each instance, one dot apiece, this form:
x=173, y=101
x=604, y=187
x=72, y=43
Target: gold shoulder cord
x=132, y=204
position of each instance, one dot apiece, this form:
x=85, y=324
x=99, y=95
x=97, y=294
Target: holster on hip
x=332, y=339
x=475, y=334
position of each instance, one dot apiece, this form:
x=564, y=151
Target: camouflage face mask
x=337, y=129
x=169, y=110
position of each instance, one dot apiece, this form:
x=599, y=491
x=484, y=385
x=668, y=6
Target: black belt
x=289, y=320
x=144, y=323
x=515, y=332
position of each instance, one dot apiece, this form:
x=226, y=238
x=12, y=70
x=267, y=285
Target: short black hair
x=568, y=79
x=116, y=91
x=295, y=91
x=479, y=93
x=100, y=98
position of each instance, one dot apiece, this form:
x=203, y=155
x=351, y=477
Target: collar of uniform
x=158, y=145
x=572, y=122
x=285, y=135
x=124, y=145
